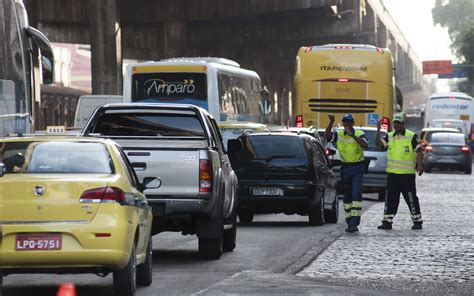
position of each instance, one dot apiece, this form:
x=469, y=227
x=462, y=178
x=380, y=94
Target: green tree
x=457, y=17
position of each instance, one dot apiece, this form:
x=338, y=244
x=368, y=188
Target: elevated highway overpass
x=263, y=35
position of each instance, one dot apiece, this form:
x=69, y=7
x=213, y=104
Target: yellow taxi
x=73, y=205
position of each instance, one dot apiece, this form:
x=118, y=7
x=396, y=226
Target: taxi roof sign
x=55, y=129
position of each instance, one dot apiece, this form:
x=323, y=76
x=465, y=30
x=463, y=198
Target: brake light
x=205, y=175
x=103, y=195
x=299, y=121
x=380, y=50
x=386, y=124
x=465, y=149
x=343, y=80
x=429, y=148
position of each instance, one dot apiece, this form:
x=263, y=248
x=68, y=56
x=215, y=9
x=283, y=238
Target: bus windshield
x=14, y=113
x=163, y=87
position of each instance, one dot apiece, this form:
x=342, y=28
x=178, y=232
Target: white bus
x=219, y=85
x=448, y=108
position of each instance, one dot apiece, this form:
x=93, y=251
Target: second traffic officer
x=351, y=144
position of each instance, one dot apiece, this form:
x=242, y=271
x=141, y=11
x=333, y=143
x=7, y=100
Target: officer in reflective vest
x=351, y=144
x=404, y=160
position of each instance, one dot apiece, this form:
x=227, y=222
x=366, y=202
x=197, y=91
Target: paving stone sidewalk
x=439, y=259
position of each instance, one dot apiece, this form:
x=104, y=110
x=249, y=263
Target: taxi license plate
x=38, y=242
x=267, y=191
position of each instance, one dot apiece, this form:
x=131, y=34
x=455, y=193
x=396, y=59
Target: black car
x=283, y=173
x=448, y=151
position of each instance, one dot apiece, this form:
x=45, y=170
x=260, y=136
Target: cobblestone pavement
x=439, y=259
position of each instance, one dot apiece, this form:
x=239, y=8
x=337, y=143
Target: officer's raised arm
x=328, y=133
x=378, y=141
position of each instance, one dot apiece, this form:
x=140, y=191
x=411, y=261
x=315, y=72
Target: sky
x=429, y=42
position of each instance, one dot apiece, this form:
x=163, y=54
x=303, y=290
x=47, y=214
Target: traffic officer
x=351, y=144
x=404, y=160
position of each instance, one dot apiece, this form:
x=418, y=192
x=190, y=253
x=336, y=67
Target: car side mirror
x=151, y=183
x=335, y=163
x=2, y=169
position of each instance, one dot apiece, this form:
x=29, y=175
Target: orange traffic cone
x=66, y=289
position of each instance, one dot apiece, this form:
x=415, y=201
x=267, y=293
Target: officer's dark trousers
x=404, y=184
x=352, y=177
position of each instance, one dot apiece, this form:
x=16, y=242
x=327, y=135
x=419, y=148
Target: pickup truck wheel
x=210, y=248
x=145, y=270
x=125, y=280
x=331, y=216
x=246, y=217
x=230, y=235
x=316, y=213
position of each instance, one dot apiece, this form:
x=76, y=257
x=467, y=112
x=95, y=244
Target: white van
x=87, y=104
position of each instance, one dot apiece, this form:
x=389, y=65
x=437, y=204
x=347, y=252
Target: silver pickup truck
x=183, y=146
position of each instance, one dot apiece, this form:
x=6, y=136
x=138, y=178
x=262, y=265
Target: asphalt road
x=272, y=243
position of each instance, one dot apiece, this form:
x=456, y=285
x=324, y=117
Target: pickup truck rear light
x=429, y=148
x=103, y=195
x=465, y=149
x=205, y=175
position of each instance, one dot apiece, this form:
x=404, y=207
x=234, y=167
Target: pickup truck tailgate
x=177, y=168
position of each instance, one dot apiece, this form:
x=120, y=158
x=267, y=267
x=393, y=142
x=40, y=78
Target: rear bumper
x=80, y=248
x=455, y=161
x=296, y=198
x=176, y=206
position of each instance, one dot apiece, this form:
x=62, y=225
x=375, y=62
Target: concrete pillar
x=174, y=39
x=106, y=49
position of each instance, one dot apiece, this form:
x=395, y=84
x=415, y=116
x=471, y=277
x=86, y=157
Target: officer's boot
x=416, y=226
x=385, y=225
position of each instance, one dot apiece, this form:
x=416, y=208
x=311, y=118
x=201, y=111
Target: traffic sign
x=459, y=71
x=372, y=118
x=437, y=67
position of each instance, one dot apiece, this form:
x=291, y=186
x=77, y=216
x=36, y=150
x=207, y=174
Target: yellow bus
x=343, y=78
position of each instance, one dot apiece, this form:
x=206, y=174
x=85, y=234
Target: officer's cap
x=399, y=117
x=347, y=117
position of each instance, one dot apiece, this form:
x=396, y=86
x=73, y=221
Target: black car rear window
x=270, y=147
x=451, y=138
x=146, y=124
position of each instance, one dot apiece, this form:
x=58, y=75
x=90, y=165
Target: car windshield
x=448, y=138
x=149, y=124
x=271, y=147
x=55, y=157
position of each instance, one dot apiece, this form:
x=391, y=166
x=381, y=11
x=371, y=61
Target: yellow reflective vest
x=349, y=150
x=401, y=158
